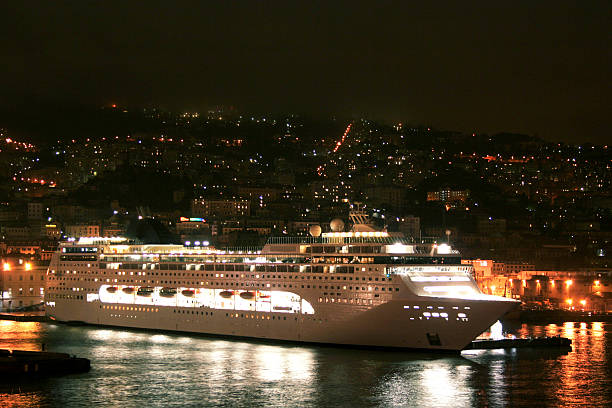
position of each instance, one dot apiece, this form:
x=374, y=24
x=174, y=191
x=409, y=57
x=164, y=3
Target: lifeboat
x=226, y=294
x=188, y=292
x=111, y=289
x=261, y=296
x=145, y=291
x=248, y=295
x=282, y=308
x=167, y=292
x=129, y=290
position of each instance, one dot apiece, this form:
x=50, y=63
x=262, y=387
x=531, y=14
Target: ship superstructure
x=364, y=287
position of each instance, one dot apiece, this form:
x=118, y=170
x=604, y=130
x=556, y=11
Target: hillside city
x=533, y=217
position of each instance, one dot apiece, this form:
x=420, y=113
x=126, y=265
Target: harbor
x=141, y=368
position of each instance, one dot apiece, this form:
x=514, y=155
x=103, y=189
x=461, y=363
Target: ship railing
x=242, y=250
x=339, y=240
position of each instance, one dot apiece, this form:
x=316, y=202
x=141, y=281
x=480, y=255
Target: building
x=410, y=226
x=35, y=210
x=490, y=225
x=495, y=278
x=448, y=196
x=258, y=195
x=82, y=230
x=230, y=208
x=587, y=289
x=387, y=196
x=22, y=282
x=193, y=229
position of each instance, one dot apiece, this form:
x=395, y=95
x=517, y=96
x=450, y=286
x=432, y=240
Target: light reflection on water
x=134, y=368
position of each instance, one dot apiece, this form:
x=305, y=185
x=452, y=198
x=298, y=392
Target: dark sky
x=534, y=67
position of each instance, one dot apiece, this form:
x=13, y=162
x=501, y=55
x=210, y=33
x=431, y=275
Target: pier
x=20, y=363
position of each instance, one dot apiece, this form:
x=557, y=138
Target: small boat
x=188, y=292
x=167, y=292
x=247, y=295
x=226, y=294
x=264, y=296
x=111, y=289
x=145, y=291
x=282, y=308
x=129, y=290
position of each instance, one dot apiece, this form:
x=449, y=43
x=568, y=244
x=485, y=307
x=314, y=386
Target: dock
x=25, y=316
x=20, y=363
x=530, y=342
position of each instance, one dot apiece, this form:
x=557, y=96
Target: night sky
x=532, y=67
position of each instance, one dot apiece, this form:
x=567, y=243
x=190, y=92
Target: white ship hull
x=386, y=325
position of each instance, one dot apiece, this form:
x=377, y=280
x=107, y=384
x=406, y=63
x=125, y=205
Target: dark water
x=141, y=369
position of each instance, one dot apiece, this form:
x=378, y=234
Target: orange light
x=7, y=266
x=569, y=282
x=569, y=301
x=596, y=283
x=583, y=302
x=552, y=283
x=28, y=266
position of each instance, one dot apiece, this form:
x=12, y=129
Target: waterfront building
x=22, y=282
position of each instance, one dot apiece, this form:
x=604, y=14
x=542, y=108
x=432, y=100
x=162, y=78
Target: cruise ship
x=362, y=287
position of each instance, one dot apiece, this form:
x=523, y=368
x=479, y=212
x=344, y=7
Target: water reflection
x=133, y=368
